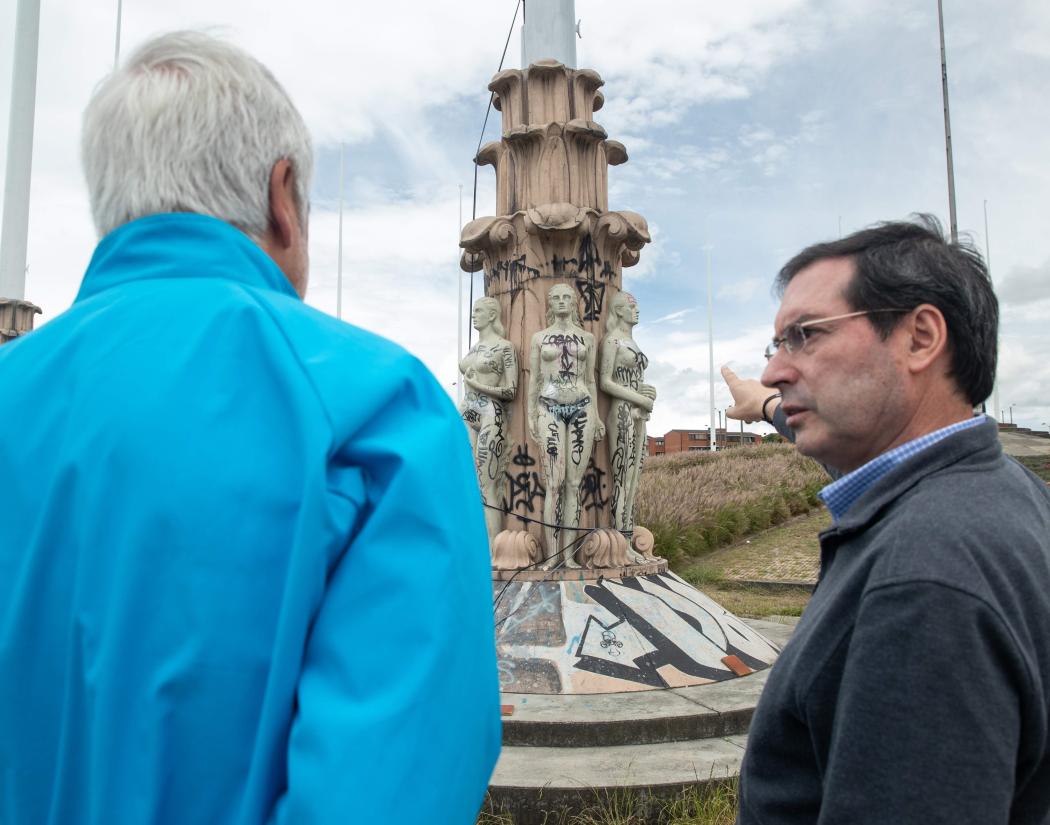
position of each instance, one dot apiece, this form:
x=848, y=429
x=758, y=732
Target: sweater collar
x=839, y=496
x=978, y=443
x=179, y=245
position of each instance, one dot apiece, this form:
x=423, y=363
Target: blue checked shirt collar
x=840, y=495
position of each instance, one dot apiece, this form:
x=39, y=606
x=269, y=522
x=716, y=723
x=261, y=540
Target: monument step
x=632, y=751
x=531, y=783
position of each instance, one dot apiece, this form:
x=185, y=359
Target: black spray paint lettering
x=593, y=295
x=592, y=487
x=525, y=486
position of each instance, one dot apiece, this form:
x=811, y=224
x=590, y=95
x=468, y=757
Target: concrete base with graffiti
x=617, y=630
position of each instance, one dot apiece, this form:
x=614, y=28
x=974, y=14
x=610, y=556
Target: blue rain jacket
x=244, y=574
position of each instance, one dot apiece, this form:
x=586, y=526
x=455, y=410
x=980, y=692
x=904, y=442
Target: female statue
x=622, y=370
x=490, y=374
x=563, y=417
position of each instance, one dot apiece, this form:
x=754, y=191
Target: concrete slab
x=625, y=766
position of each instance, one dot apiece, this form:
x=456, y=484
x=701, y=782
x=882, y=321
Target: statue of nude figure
x=622, y=370
x=563, y=418
x=490, y=374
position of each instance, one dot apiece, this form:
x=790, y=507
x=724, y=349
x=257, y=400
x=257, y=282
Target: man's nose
x=779, y=369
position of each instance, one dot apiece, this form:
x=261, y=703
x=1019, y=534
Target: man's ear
x=285, y=238
x=284, y=214
x=927, y=333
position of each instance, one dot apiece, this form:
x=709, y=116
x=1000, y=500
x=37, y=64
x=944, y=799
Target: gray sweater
x=917, y=685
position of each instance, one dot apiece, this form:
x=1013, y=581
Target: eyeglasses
x=794, y=337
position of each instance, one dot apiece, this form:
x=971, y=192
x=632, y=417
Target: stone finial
x=16, y=318
x=514, y=549
x=644, y=542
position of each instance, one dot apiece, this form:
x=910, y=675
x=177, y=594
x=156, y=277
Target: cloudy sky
x=753, y=128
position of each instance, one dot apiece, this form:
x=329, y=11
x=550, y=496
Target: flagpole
x=711, y=353
x=15, y=232
x=947, y=128
x=459, y=304
x=339, y=264
x=116, y=46
x=988, y=263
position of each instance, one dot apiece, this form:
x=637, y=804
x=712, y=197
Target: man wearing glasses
x=917, y=685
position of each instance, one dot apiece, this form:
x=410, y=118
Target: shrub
x=696, y=502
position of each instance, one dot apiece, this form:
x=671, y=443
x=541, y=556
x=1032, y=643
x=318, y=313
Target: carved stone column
x=16, y=318
x=554, y=226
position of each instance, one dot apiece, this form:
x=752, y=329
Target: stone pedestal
x=16, y=318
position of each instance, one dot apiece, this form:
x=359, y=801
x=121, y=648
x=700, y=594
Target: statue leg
x=618, y=434
x=489, y=456
x=581, y=443
x=552, y=433
x=635, y=473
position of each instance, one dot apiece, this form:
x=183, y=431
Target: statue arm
x=507, y=387
x=599, y=430
x=616, y=390
x=533, y=398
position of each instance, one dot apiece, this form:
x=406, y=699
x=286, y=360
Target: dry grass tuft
x=696, y=502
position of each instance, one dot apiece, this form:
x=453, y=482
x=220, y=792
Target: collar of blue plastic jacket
x=179, y=245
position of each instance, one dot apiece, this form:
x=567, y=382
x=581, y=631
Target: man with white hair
x=244, y=574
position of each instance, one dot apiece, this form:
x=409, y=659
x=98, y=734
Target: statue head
x=486, y=313
x=623, y=310
x=561, y=300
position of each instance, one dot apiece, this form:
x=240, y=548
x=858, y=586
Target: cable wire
x=481, y=138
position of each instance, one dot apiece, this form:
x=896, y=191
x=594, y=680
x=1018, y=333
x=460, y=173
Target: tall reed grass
x=695, y=502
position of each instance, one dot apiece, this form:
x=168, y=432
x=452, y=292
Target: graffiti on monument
x=592, y=488
x=509, y=274
x=592, y=295
x=646, y=646
x=523, y=484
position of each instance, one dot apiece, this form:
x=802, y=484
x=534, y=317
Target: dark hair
x=908, y=263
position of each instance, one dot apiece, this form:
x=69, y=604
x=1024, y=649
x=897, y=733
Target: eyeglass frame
x=774, y=346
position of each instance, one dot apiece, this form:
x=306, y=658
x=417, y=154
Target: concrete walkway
x=787, y=554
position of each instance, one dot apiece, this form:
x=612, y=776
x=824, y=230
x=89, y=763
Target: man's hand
x=748, y=396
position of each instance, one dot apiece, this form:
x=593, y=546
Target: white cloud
x=742, y=290
x=1026, y=285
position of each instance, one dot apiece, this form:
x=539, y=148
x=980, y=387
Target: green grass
x=1038, y=464
x=712, y=804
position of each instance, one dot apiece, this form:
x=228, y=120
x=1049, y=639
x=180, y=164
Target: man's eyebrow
x=799, y=319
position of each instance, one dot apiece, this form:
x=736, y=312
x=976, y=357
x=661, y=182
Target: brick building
x=681, y=441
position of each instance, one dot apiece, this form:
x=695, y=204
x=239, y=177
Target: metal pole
x=459, y=304
x=116, y=46
x=988, y=261
x=548, y=31
x=15, y=233
x=947, y=128
x=339, y=265
x=711, y=354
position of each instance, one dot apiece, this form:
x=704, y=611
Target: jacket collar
x=179, y=245
x=974, y=444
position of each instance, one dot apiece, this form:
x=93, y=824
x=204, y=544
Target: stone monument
x=581, y=603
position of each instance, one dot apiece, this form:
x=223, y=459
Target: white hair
x=191, y=124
